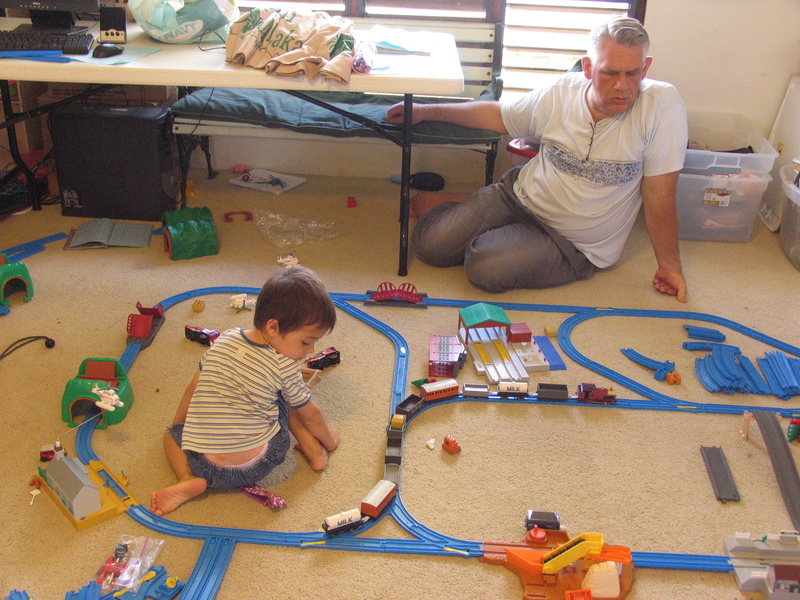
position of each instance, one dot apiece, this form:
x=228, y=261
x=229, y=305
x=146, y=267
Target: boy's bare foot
x=316, y=456
x=167, y=499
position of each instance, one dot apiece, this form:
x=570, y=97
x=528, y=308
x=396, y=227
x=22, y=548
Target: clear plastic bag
x=132, y=558
x=286, y=233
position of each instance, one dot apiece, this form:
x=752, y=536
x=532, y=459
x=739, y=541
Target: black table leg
x=405, y=185
x=13, y=148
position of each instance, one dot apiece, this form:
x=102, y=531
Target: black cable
x=203, y=40
x=49, y=342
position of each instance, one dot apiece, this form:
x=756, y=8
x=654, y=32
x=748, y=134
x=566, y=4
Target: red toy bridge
x=407, y=292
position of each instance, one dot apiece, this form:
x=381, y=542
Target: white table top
x=185, y=64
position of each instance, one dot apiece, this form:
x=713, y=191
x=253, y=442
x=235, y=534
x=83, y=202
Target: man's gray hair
x=623, y=30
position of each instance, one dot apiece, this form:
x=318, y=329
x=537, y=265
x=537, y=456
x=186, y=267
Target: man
x=611, y=140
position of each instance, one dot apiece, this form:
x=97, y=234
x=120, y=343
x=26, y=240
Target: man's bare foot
x=316, y=456
x=167, y=499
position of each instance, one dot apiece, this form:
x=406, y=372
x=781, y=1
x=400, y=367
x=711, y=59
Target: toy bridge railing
x=387, y=291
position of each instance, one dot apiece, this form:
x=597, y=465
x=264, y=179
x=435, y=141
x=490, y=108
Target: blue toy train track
x=219, y=542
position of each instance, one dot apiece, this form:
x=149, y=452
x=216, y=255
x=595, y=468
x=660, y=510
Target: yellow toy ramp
x=569, y=552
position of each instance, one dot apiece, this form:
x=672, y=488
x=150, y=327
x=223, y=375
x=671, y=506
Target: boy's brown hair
x=295, y=297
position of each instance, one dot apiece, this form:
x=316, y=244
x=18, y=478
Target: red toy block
x=519, y=333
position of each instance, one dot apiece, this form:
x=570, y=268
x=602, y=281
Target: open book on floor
x=102, y=233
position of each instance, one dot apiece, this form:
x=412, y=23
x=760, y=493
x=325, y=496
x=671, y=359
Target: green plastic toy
x=14, y=277
x=80, y=394
x=189, y=233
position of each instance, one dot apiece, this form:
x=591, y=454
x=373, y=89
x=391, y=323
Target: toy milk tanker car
x=349, y=520
x=372, y=506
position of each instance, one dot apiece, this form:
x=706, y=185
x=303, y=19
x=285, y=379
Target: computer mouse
x=105, y=50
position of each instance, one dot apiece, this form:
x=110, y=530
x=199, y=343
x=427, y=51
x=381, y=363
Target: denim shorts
x=221, y=478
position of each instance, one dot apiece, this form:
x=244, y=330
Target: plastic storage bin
x=719, y=192
x=790, y=218
x=724, y=132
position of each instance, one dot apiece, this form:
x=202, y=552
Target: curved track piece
x=661, y=368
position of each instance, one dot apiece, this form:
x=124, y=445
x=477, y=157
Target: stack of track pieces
x=727, y=370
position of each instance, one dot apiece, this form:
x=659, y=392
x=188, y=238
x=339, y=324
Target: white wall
x=734, y=56
x=335, y=157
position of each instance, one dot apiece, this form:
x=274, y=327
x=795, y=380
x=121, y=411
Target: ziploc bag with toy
x=132, y=558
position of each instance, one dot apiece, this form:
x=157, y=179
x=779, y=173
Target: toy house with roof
x=501, y=350
x=69, y=481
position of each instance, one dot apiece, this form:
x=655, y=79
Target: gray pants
x=502, y=245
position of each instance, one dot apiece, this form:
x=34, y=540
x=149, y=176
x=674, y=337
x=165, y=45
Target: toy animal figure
x=108, y=397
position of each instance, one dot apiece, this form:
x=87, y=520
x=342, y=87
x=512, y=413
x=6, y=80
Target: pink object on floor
x=263, y=496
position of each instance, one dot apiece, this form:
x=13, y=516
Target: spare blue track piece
x=91, y=591
x=704, y=333
x=661, y=368
x=716, y=373
x=725, y=358
x=707, y=346
x=703, y=376
x=783, y=365
x=779, y=374
x=754, y=378
x=17, y=253
x=550, y=353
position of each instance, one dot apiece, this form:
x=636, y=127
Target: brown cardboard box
x=127, y=95
x=24, y=97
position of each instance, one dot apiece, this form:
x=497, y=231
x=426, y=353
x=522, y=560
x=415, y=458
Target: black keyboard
x=75, y=43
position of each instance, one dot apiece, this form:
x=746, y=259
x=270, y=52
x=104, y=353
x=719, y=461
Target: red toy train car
x=202, y=336
x=439, y=390
x=327, y=358
x=590, y=393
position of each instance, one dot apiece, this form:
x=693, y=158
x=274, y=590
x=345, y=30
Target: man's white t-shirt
x=586, y=180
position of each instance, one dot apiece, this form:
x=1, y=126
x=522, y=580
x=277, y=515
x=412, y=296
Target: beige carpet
x=635, y=476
